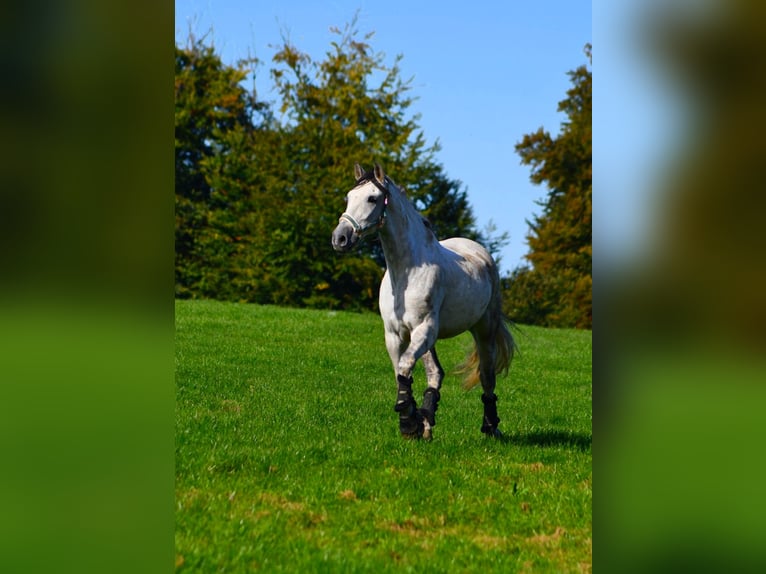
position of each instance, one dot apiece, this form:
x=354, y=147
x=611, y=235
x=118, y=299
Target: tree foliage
x=259, y=186
x=214, y=131
x=556, y=289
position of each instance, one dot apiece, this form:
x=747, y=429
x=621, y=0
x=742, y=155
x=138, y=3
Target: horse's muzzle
x=343, y=237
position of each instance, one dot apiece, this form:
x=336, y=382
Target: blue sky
x=484, y=73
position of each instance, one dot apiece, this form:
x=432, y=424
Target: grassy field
x=289, y=459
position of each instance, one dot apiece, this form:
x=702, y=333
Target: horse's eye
x=372, y=199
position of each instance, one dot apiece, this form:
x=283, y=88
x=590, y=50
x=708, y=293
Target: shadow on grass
x=581, y=441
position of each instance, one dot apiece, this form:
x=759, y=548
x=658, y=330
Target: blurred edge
x=681, y=323
x=86, y=311
x=86, y=417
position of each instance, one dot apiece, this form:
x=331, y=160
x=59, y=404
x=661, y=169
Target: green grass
x=289, y=459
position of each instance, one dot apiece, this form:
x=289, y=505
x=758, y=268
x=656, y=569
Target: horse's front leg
x=431, y=396
x=422, y=338
x=409, y=424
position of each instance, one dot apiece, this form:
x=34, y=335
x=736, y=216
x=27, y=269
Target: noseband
x=362, y=230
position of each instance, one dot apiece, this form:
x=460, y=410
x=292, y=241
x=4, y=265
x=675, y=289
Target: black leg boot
x=410, y=420
x=430, y=404
x=491, y=420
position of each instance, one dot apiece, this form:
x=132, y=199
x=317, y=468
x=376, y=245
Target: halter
x=361, y=230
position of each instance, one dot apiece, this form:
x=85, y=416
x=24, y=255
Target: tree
x=348, y=107
x=260, y=187
x=556, y=289
x=213, y=134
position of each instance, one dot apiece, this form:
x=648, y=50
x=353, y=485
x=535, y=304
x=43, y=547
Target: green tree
x=260, y=188
x=348, y=107
x=214, y=130
x=556, y=289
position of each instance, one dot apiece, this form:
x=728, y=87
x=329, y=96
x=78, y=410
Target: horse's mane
x=426, y=223
x=370, y=176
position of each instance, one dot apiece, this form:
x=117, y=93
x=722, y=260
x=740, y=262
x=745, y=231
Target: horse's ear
x=379, y=174
x=358, y=171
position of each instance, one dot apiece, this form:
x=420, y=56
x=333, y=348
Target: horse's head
x=365, y=208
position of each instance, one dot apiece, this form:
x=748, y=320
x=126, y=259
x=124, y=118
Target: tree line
x=555, y=288
x=259, y=185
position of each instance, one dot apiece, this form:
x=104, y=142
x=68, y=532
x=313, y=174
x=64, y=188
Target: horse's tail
x=505, y=346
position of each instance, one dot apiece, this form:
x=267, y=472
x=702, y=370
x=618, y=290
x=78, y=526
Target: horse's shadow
x=545, y=438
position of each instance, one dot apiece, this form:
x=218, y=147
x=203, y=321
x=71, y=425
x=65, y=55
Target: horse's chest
x=405, y=304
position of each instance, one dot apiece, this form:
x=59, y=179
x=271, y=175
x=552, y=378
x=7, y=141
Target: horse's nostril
x=340, y=240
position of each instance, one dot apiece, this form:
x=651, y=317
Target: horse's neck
x=406, y=240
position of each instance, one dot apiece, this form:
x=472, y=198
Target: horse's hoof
x=418, y=434
x=411, y=426
x=427, y=435
x=413, y=432
x=493, y=432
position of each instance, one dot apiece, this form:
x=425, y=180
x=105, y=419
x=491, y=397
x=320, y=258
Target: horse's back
x=477, y=258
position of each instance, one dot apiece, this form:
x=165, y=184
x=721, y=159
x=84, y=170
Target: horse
x=431, y=290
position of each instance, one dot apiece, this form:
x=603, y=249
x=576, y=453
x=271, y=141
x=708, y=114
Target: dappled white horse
x=431, y=290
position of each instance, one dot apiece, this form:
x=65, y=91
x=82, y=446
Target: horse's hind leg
x=487, y=356
x=435, y=375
